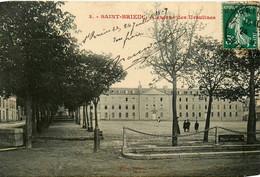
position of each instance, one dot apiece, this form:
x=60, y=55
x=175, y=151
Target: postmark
x=240, y=26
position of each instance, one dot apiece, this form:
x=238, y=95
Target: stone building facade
x=151, y=103
x=8, y=111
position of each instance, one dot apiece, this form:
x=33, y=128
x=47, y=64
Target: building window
x=236, y=106
x=187, y=114
x=199, y=114
x=205, y=99
x=161, y=114
x=218, y=106
x=106, y=107
x=120, y=115
x=161, y=106
x=113, y=115
x=224, y=114
x=187, y=99
x=193, y=106
x=161, y=99
x=224, y=106
x=126, y=99
x=119, y=107
x=218, y=114
x=133, y=114
x=106, y=115
x=230, y=107
x=179, y=99
x=3, y=114
x=146, y=106
x=193, y=114
x=230, y=114
x=154, y=107
x=212, y=114
x=206, y=106
x=187, y=106
x=180, y=114
x=133, y=107
x=126, y=114
x=113, y=107
x=180, y=106
x=146, y=114
x=236, y=114
x=126, y=106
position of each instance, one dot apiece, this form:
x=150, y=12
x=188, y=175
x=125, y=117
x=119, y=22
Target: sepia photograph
x=129, y=88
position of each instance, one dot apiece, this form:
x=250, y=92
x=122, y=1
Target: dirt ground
x=76, y=158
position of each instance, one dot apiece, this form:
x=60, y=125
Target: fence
x=135, y=138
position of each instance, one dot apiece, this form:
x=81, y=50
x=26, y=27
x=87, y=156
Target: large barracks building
x=151, y=103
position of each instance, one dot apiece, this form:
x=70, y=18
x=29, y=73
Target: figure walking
x=196, y=126
x=184, y=125
x=188, y=125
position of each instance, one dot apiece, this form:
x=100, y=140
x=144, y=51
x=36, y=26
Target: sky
x=106, y=34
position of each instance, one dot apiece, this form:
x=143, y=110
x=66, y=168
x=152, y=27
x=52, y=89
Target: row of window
x=161, y=106
x=127, y=115
x=120, y=107
x=161, y=99
x=133, y=92
x=212, y=114
x=10, y=102
x=206, y=106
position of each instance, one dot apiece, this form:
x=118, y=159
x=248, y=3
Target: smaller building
x=8, y=109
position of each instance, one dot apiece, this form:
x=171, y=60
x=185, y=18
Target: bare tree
x=170, y=53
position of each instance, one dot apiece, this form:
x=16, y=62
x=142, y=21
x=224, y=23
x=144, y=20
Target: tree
x=104, y=72
x=245, y=82
x=170, y=54
x=33, y=56
x=210, y=71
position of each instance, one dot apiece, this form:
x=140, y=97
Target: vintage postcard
x=129, y=88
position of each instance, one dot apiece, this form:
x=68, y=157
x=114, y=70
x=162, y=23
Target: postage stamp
x=240, y=26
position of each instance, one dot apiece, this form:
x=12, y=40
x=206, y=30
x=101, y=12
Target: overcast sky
x=100, y=23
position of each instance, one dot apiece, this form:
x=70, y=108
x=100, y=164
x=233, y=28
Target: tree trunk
x=84, y=116
x=79, y=116
x=175, y=125
x=91, y=122
x=87, y=116
x=28, y=127
x=37, y=117
x=34, y=129
x=251, y=137
x=95, y=106
x=206, y=133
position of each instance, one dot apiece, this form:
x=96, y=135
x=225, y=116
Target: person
x=188, y=125
x=159, y=119
x=196, y=126
x=184, y=125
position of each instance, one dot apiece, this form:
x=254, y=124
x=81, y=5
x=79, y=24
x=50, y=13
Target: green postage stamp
x=240, y=25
